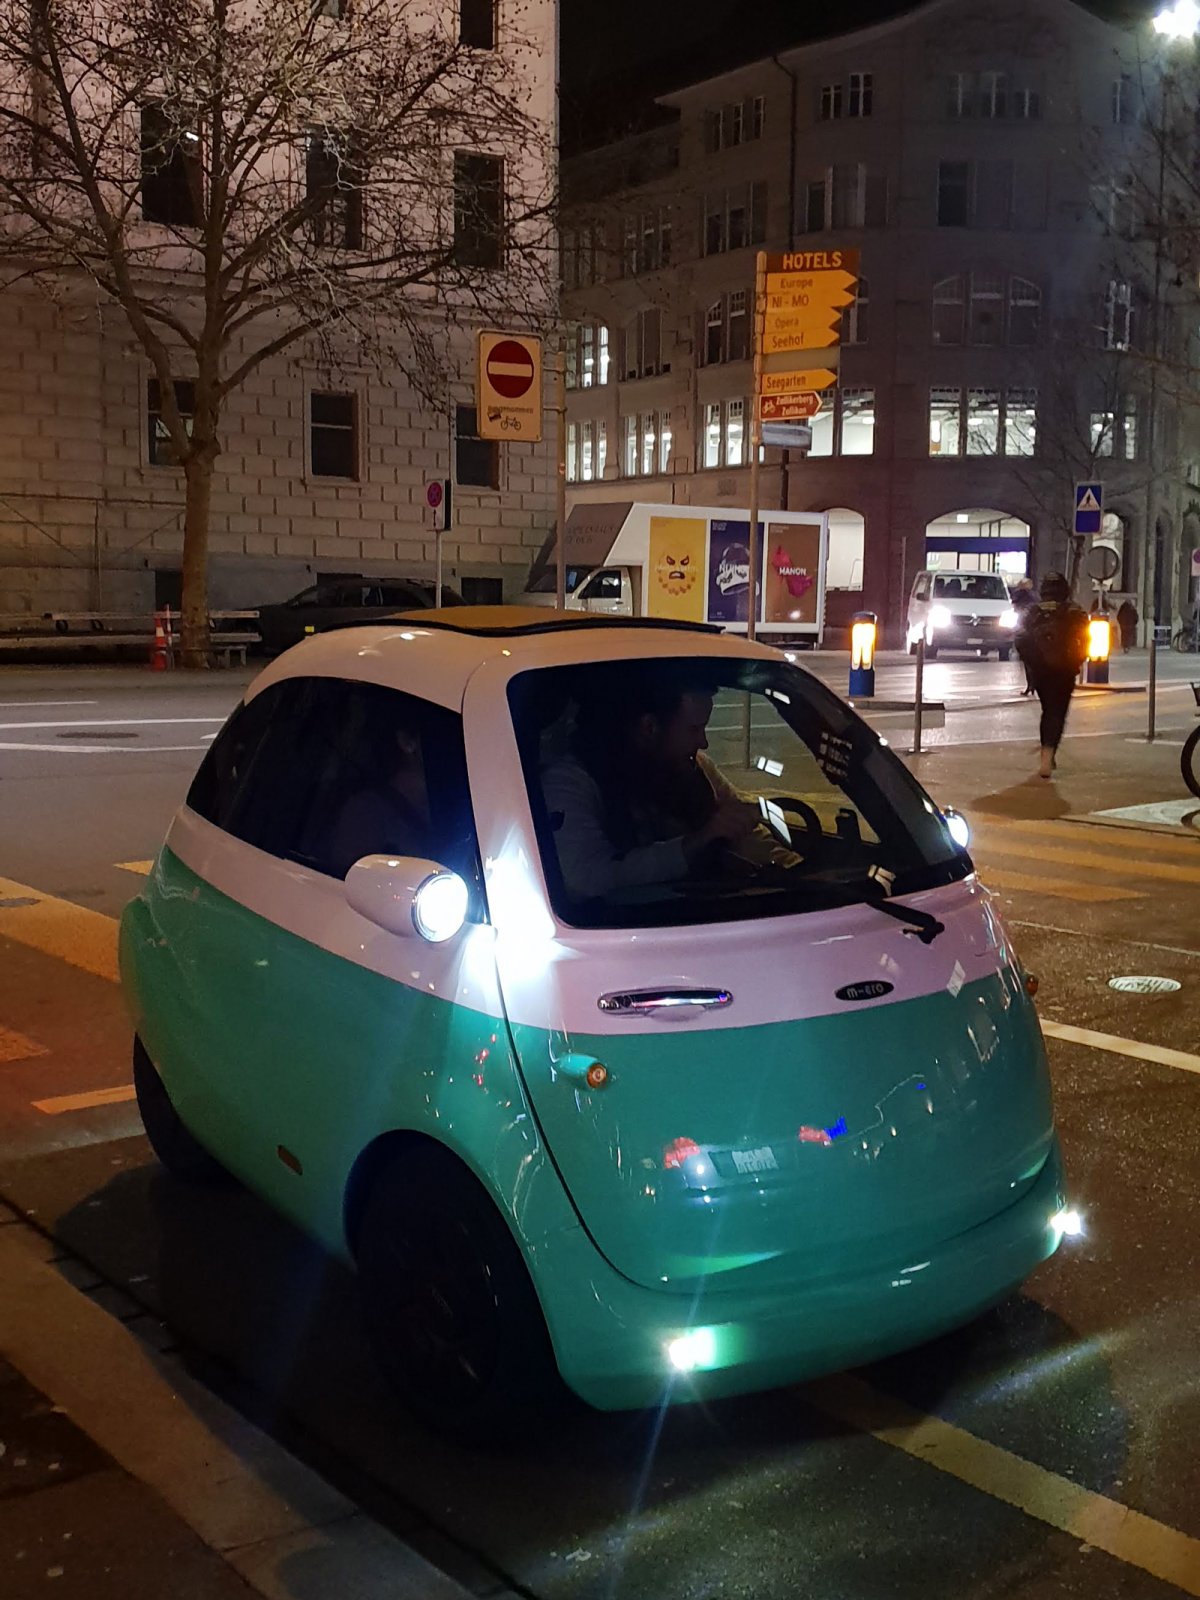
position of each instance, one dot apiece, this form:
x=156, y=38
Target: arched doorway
x=978, y=539
x=844, y=567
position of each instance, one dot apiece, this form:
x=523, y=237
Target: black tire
x=178, y=1150
x=1004, y=652
x=450, y=1309
x=1189, y=761
x=931, y=651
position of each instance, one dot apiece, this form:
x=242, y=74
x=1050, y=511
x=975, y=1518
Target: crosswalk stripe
x=84, y=1102
x=142, y=867
x=1060, y=888
x=1070, y=829
x=1115, y=864
x=71, y=933
x=15, y=1046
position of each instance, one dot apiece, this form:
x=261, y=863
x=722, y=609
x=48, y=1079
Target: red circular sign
x=433, y=495
x=510, y=369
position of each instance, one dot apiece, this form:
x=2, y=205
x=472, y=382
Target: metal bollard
x=918, y=706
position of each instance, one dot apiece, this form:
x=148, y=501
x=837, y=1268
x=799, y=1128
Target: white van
x=961, y=610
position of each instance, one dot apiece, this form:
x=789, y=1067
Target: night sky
x=615, y=51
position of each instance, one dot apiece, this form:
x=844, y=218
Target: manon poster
x=676, y=577
x=793, y=557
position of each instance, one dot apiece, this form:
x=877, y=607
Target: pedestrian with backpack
x=1052, y=642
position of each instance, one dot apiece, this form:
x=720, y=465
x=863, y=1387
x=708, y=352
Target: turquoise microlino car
x=610, y=995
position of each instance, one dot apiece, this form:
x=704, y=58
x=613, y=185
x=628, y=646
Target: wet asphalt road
x=994, y=1462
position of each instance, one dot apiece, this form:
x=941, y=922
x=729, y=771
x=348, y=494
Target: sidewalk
x=122, y=1476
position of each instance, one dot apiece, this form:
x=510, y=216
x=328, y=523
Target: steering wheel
x=801, y=808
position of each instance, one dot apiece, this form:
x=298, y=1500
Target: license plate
x=974, y=641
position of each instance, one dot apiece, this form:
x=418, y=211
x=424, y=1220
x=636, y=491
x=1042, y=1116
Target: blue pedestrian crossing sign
x=1089, y=507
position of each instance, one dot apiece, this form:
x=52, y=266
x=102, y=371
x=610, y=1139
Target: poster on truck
x=728, y=571
x=793, y=568
x=676, y=577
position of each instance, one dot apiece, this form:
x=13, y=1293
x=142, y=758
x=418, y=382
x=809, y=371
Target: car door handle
x=668, y=1002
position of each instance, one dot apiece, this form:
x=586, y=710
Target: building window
x=993, y=95
x=954, y=194
x=831, y=102
x=1123, y=105
x=172, y=179
x=1026, y=105
x=986, y=325
x=993, y=199
x=734, y=124
x=334, y=187
x=1118, y=316
x=1114, y=433
x=587, y=451
x=739, y=326
x=478, y=210
x=948, y=311
x=724, y=441
x=846, y=197
x=646, y=241
x=476, y=460
x=1024, y=312
x=646, y=443
x=582, y=256
x=726, y=333
x=477, y=24
x=587, y=355
x=982, y=422
x=961, y=98
x=858, y=101
x=855, y=317
x=735, y=218
x=1020, y=422
x=1116, y=205
x=643, y=346
x=333, y=435
x=857, y=415
x=160, y=451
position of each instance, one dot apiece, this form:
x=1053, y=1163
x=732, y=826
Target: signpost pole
x=560, y=477
x=919, y=702
x=760, y=310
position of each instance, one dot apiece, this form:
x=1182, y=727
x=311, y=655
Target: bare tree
x=244, y=177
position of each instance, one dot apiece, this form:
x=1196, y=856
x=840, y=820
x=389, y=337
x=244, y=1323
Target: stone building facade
x=990, y=166
x=323, y=470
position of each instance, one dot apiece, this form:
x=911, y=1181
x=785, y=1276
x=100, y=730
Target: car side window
x=231, y=756
x=345, y=770
x=921, y=592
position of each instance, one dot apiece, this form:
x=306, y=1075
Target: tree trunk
x=193, y=632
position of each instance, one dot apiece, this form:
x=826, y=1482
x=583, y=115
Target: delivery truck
x=691, y=564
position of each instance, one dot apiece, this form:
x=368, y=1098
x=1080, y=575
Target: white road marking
x=1158, y=1054
x=1093, y=1519
x=1080, y=933
x=84, y=1102
x=102, y=749
x=110, y=722
x=36, y=705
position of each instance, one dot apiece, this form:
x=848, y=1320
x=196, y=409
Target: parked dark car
x=337, y=601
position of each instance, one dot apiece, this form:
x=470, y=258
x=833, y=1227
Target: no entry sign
x=509, y=387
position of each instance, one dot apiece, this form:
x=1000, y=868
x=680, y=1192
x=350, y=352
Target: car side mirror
x=408, y=895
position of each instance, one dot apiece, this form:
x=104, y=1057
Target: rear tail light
x=679, y=1151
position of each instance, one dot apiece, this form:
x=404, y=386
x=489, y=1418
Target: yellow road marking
x=1160, y=1054
x=1094, y=1519
x=1069, y=829
x=1116, y=862
x=1062, y=888
x=71, y=933
x=16, y=1047
x=83, y=1102
x=144, y=867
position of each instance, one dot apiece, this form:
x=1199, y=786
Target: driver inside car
x=637, y=802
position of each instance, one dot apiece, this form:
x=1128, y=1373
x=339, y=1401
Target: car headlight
x=440, y=906
x=939, y=617
x=1008, y=619
x=957, y=827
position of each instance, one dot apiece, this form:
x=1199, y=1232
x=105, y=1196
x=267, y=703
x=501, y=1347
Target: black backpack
x=1053, y=637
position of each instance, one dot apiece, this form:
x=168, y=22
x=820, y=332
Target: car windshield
x=970, y=586
x=547, y=582
x=684, y=790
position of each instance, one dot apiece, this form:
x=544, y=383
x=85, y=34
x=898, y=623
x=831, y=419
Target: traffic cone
x=159, y=658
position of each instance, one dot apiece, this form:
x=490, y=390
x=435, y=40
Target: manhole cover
x=1144, y=985
x=96, y=735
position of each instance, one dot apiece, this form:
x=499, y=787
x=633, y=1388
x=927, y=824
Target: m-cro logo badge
x=874, y=990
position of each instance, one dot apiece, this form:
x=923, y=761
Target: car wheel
x=1004, y=652
x=931, y=651
x=451, y=1312
x=178, y=1150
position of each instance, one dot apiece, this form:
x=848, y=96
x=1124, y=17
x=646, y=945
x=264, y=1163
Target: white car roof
x=434, y=653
